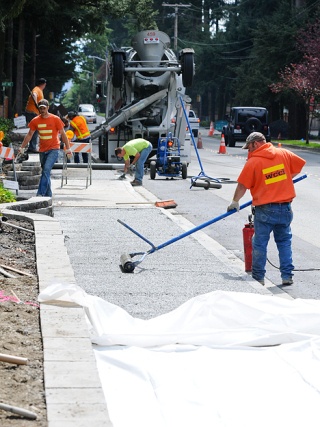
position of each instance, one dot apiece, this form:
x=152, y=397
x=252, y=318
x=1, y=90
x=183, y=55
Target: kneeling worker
x=80, y=128
x=139, y=149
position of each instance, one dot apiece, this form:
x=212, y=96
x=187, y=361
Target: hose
x=300, y=269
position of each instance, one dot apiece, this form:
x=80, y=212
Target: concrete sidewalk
x=82, y=244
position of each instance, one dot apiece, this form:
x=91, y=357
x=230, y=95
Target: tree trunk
x=307, y=121
x=297, y=120
x=2, y=39
x=8, y=65
x=210, y=105
x=20, y=65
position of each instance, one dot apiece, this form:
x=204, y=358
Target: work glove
x=21, y=151
x=233, y=205
x=69, y=154
x=123, y=176
x=131, y=169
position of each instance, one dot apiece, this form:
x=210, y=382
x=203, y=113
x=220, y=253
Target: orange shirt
x=48, y=129
x=268, y=174
x=30, y=103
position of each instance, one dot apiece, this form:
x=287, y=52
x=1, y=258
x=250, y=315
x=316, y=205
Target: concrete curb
x=73, y=391
x=38, y=205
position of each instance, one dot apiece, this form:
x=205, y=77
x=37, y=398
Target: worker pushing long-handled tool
x=129, y=265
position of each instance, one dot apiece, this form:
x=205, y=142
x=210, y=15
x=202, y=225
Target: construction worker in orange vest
x=32, y=111
x=79, y=126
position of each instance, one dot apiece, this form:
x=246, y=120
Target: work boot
x=287, y=282
x=136, y=183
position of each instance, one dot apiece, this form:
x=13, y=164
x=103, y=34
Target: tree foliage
x=240, y=46
x=47, y=38
x=303, y=78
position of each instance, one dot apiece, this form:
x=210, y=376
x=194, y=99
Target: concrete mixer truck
x=144, y=87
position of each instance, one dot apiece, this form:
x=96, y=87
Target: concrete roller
x=127, y=264
x=206, y=184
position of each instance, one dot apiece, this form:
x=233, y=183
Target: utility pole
x=176, y=10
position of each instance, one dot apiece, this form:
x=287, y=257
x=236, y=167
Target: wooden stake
x=17, y=271
x=13, y=359
x=18, y=411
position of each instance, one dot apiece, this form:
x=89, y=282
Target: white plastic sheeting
x=202, y=364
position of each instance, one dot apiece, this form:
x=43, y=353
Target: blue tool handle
x=199, y=227
x=300, y=178
x=136, y=233
x=193, y=230
x=211, y=221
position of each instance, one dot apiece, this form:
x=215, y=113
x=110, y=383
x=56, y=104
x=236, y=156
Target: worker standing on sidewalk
x=139, y=149
x=80, y=128
x=268, y=175
x=49, y=127
x=32, y=111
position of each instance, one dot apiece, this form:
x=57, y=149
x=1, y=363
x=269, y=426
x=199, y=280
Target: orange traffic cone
x=199, y=143
x=211, y=130
x=222, y=148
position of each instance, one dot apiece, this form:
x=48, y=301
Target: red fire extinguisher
x=248, y=232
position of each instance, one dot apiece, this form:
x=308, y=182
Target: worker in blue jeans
x=268, y=175
x=50, y=128
x=139, y=149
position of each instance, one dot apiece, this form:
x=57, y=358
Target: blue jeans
x=47, y=160
x=85, y=157
x=267, y=218
x=140, y=163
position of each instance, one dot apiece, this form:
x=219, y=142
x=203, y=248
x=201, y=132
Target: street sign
x=7, y=84
x=20, y=122
x=10, y=185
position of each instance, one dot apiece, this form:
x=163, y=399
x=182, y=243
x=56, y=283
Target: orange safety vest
x=31, y=106
x=80, y=127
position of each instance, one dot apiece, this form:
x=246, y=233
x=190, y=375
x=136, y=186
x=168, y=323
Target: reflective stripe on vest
x=81, y=128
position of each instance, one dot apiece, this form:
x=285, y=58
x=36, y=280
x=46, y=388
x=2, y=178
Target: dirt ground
x=21, y=385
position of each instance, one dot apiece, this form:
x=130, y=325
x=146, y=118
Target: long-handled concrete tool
x=128, y=264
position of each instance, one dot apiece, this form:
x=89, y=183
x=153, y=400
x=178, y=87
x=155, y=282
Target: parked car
x=243, y=121
x=88, y=111
x=194, y=122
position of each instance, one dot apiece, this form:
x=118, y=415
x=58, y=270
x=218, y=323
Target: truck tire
x=117, y=70
x=195, y=132
x=184, y=170
x=152, y=170
x=232, y=142
x=187, y=68
x=226, y=136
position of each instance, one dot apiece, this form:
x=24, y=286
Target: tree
x=54, y=28
x=304, y=78
x=243, y=58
